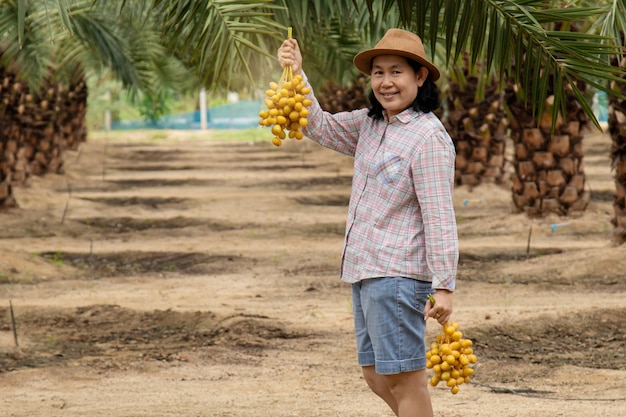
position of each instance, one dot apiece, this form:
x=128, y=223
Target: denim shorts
x=389, y=323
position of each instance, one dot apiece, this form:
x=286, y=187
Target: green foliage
x=230, y=44
x=256, y=134
x=155, y=106
x=224, y=42
x=90, y=37
x=56, y=258
x=108, y=94
x=330, y=33
x=528, y=43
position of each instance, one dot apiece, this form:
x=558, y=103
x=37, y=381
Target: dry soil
x=189, y=277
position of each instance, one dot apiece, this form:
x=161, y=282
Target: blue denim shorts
x=389, y=323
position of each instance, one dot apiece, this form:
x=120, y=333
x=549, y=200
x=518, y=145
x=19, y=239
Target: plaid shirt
x=401, y=217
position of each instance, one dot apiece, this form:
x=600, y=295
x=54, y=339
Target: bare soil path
x=188, y=277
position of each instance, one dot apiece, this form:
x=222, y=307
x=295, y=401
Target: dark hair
x=427, y=99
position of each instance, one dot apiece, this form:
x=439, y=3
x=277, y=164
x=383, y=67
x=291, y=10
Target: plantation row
x=548, y=172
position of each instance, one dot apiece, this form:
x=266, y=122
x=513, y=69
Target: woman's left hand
x=442, y=310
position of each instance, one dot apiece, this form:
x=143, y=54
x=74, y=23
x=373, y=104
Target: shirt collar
x=404, y=116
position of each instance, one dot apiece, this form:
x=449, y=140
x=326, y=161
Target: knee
x=376, y=382
x=396, y=387
x=410, y=383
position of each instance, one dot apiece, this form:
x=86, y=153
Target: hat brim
x=363, y=60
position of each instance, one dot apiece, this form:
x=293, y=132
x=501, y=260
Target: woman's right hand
x=289, y=54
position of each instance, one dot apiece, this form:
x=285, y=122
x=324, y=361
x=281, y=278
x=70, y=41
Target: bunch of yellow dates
x=451, y=358
x=286, y=107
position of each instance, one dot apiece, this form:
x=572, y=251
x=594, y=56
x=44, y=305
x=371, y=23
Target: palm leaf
x=612, y=22
x=511, y=37
x=217, y=37
x=93, y=35
x=21, y=17
x=28, y=54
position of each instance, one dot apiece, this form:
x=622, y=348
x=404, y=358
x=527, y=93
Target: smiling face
x=395, y=83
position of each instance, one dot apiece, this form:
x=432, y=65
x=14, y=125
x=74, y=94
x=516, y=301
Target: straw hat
x=396, y=42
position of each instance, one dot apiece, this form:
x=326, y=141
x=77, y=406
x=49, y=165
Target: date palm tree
x=46, y=51
x=39, y=36
x=613, y=25
x=617, y=129
x=476, y=121
x=548, y=165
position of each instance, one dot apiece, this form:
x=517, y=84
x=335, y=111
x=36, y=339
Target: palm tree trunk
x=478, y=128
x=36, y=128
x=617, y=129
x=549, y=173
x=334, y=97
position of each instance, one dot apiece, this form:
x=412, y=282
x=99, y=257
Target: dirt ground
x=189, y=277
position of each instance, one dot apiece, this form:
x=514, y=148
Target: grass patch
x=255, y=134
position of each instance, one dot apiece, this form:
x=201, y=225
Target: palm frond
x=612, y=22
x=330, y=33
x=94, y=35
x=512, y=37
x=23, y=46
x=222, y=40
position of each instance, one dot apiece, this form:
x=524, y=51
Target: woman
x=401, y=240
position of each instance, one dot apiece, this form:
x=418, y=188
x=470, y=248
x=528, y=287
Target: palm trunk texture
x=617, y=129
x=335, y=98
x=36, y=128
x=478, y=129
x=548, y=165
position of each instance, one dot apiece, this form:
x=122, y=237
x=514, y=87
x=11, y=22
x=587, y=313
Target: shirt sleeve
x=339, y=131
x=433, y=176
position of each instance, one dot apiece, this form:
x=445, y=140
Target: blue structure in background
x=240, y=115
x=245, y=115
x=600, y=106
